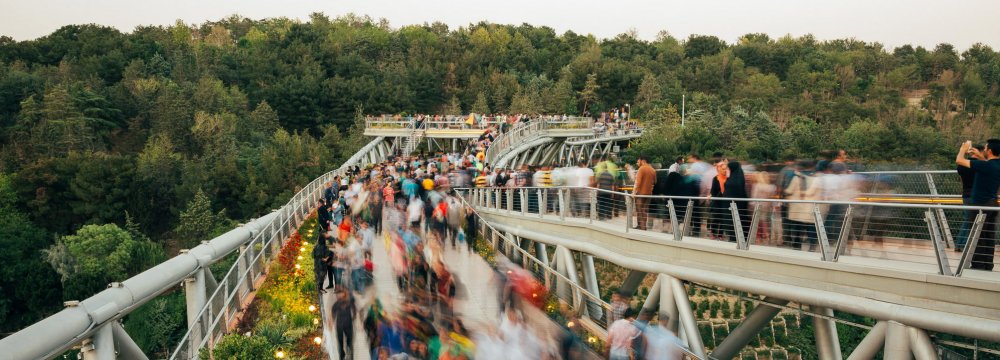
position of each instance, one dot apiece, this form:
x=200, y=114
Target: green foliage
x=31, y=288
x=239, y=347
x=198, y=222
x=158, y=325
x=97, y=255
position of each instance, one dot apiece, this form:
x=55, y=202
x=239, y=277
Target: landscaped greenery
x=285, y=313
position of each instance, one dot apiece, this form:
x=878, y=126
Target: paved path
x=477, y=304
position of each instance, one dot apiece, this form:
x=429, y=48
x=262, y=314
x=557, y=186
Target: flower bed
x=284, y=318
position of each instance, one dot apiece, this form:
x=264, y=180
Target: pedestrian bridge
x=910, y=289
x=889, y=260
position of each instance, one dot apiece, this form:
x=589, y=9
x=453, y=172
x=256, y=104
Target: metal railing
x=907, y=233
x=579, y=300
x=236, y=289
x=606, y=133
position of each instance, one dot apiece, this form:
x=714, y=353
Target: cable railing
x=887, y=234
x=579, y=300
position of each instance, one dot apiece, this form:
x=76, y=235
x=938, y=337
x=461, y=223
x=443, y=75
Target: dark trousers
x=963, y=234
x=982, y=258
x=320, y=275
x=642, y=212
x=345, y=339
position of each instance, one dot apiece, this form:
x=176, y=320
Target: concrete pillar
x=741, y=336
x=827, y=341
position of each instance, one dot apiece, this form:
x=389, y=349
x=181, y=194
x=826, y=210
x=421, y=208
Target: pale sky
x=890, y=22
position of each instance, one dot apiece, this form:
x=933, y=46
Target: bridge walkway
x=476, y=303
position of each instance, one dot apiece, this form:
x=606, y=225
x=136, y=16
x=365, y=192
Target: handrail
x=928, y=225
x=549, y=271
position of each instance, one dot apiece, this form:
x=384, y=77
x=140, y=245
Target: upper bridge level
x=467, y=126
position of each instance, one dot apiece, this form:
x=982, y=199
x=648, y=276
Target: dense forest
x=119, y=149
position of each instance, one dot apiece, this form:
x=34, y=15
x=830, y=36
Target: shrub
x=725, y=310
x=714, y=309
x=238, y=347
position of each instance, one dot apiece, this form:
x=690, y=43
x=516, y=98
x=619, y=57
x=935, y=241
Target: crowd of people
x=406, y=203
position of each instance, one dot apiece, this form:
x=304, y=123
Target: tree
x=97, y=255
x=589, y=92
x=648, y=94
x=258, y=126
x=702, y=45
x=198, y=222
x=31, y=288
x=480, y=106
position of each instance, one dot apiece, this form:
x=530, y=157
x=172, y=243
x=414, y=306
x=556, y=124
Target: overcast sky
x=891, y=22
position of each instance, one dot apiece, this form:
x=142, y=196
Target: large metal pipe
x=920, y=344
x=827, y=341
x=127, y=348
x=897, y=342
x=760, y=316
x=982, y=328
x=59, y=332
x=687, y=320
x=670, y=318
x=871, y=344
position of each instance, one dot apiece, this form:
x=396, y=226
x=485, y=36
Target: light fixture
x=312, y=308
x=280, y=354
x=297, y=266
x=592, y=340
x=302, y=248
x=300, y=257
x=306, y=243
x=315, y=321
x=318, y=340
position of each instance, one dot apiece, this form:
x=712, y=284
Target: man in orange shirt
x=644, y=179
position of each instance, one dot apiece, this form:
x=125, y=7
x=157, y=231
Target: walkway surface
x=476, y=303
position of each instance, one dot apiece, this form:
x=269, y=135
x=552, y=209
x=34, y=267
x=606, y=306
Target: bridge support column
x=827, y=341
x=594, y=309
x=920, y=344
x=632, y=281
x=759, y=318
x=897, y=342
x=100, y=346
x=686, y=316
x=196, y=296
x=871, y=344
x=127, y=348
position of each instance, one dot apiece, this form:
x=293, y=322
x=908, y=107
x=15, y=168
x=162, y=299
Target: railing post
x=687, y=219
x=845, y=232
x=674, y=226
x=629, y=211
x=510, y=200
x=939, y=248
x=522, y=194
x=949, y=242
x=562, y=203
x=824, y=243
x=542, y=202
x=741, y=240
x=754, y=223
x=970, y=245
x=593, y=205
